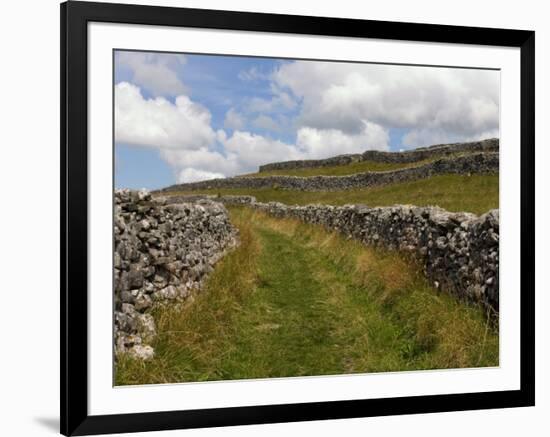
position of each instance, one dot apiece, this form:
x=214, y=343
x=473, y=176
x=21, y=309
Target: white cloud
x=192, y=175
x=233, y=120
x=428, y=137
x=242, y=153
x=155, y=72
x=203, y=159
x=323, y=143
x=182, y=132
x=252, y=150
x=320, y=143
x=158, y=122
x=453, y=103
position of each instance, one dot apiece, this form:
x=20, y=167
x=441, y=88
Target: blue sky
x=185, y=117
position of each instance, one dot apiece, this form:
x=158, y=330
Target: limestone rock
x=142, y=352
x=162, y=252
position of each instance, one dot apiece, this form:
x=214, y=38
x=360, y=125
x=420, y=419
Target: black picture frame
x=75, y=16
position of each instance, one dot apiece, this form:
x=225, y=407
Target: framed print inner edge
x=75, y=417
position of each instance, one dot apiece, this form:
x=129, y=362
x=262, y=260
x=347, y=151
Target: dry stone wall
x=458, y=251
x=476, y=163
x=420, y=154
x=162, y=253
x=226, y=200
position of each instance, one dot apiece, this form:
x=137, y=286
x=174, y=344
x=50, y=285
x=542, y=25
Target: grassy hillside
x=338, y=170
x=295, y=300
x=476, y=193
x=355, y=167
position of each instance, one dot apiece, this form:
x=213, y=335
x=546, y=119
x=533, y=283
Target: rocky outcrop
x=162, y=253
x=458, y=251
x=420, y=154
x=476, y=163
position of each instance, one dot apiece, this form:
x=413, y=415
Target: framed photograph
x=273, y=218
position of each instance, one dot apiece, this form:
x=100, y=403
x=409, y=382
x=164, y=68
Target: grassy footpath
x=476, y=193
x=294, y=300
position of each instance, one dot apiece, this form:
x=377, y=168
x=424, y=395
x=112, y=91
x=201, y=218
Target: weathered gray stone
x=124, y=342
x=142, y=301
x=149, y=259
x=167, y=293
x=141, y=352
x=146, y=327
x=135, y=277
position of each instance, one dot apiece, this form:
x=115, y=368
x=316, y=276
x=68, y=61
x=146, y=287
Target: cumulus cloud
x=321, y=143
x=155, y=72
x=233, y=119
x=239, y=153
x=207, y=160
x=422, y=137
x=252, y=150
x=183, y=134
x=193, y=175
x=441, y=103
x=158, y=122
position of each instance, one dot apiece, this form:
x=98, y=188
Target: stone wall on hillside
x=162, y=253
x=229, y=200
x=420, y=154
x=458, y=251
x=475, y=163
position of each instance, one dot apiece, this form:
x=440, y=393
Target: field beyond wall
x=471, y=193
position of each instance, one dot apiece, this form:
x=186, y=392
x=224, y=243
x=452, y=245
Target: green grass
x=339, y=170
x=475, y=193
x=352, y=168
x=294, y=299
